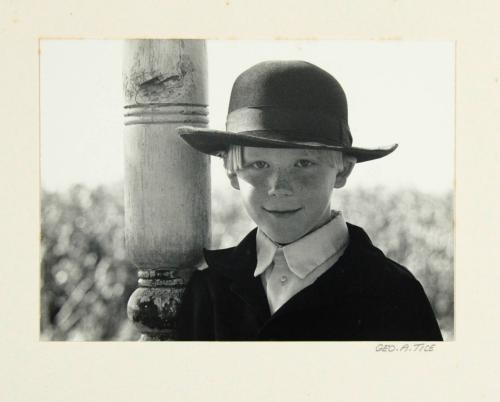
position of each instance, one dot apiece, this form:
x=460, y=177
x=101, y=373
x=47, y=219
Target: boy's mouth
x=281, y=212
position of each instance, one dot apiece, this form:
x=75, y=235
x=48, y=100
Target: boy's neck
x=333, y=215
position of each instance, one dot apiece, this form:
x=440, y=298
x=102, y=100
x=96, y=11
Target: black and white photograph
x=247, y=190
x=237, y=201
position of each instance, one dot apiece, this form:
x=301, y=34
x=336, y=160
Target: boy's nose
x=279, y=185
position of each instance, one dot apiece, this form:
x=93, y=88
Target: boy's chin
x=283, y=237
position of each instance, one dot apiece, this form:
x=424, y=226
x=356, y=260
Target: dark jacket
x=364, y=296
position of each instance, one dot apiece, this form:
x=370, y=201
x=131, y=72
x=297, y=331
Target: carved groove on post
x=159, y=278
x=158, y=114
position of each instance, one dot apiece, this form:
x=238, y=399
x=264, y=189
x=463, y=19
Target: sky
x=397, y=91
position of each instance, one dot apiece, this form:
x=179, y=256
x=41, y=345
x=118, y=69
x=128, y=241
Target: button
x=283, y=279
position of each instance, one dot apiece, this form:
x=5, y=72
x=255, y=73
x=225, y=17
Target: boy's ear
x=233, y=178
x=342, y=176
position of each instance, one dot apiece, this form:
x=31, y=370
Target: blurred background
x=397, y=92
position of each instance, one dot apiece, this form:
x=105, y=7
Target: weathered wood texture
x=167, y=184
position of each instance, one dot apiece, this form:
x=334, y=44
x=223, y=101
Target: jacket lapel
x=238, y=265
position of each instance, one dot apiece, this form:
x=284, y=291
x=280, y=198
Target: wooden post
x=167, y=184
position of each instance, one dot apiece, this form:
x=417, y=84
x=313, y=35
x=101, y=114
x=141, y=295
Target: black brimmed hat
x=284, y=104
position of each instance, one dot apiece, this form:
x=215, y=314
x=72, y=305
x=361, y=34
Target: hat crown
x=294, y=85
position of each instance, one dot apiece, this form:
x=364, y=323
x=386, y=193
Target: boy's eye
x=304, y=163
x=259, y=165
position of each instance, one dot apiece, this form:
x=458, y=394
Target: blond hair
x=233, y=158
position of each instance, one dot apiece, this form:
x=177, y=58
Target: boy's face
x=286, y=191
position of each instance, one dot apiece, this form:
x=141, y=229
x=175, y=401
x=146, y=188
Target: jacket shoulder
x=380, y=273
x=362, y=250
x=224, y=261
x=398, y=305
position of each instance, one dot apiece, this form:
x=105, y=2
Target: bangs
x=233, y=158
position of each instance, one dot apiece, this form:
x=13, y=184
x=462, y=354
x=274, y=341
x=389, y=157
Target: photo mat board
x=460, y=370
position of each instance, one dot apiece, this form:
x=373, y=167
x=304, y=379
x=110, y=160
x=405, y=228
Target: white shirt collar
x=307, y=253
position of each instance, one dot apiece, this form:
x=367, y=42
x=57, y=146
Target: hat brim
x=212, y=142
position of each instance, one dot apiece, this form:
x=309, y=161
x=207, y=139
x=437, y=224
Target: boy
x=303, y=273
